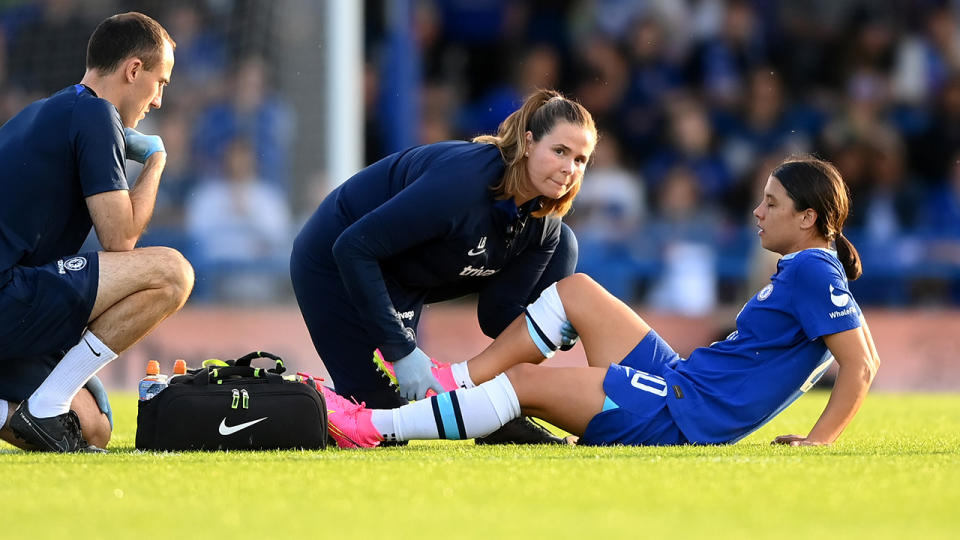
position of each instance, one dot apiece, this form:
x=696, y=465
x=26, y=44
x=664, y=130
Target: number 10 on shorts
x=637, y=382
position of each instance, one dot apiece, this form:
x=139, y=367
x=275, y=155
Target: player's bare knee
x=573, y=283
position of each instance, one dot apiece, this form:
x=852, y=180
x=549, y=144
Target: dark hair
x=125, y=35
x=817, y=184
x=541, y=111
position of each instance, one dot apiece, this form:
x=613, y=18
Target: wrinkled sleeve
x=425, y=210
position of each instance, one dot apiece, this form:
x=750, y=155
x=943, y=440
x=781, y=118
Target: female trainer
x=436, y=222
x=637, y=390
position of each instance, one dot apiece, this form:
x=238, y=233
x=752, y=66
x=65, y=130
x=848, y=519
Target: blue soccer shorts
x=43, y=312
x=635, y=410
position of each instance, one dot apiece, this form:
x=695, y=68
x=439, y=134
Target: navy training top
x=424, y=225
x=53, y=154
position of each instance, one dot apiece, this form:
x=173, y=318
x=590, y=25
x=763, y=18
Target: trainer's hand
x=568, y=336
x=140, y=146
x=414, y=377
x=95, y=387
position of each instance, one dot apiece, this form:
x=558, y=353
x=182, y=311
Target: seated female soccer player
x=637, y=390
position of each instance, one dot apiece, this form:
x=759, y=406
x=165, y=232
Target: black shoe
x=521, y=430
x=59, y=433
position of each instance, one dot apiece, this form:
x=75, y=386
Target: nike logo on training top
x=480, y=249
x=230, y=430
x=839, y=300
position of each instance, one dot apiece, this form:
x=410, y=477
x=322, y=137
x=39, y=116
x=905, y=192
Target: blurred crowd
x=696, y=102
x=224, y=200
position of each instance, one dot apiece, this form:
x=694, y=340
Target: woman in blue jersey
x=437, y=222
x=637, y=390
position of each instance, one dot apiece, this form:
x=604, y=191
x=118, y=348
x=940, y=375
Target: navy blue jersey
x=727, y=390
x=54, y=154
x=424, y=225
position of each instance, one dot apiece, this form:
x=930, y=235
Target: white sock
x=83, y=361
x=545, y=319
x=462, y=414
x=461, y=375
x=4, y=411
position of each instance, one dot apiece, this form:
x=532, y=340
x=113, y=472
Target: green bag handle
x=217, y=375
x=247, y=359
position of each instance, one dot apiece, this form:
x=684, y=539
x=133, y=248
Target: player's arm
x=121, y=216
x=857, y=359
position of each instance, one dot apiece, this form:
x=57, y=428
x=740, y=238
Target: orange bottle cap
x=153, y=367
x=179, y=366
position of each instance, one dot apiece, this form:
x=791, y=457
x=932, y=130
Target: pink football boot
x=348, y=422
x=440, y=370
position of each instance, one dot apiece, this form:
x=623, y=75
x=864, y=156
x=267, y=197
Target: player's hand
x=140, y=146
x=568, y=336
x=796, y=440
x=414, y=377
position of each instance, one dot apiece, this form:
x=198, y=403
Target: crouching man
x=64, y=315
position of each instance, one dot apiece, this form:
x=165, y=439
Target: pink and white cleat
x=348, y=422
x=441, y=372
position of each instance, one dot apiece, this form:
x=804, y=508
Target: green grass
x=895, y=473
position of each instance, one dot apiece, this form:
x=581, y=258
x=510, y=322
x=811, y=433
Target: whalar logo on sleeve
x=839, y=300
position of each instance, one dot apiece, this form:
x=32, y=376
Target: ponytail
x=849, y=257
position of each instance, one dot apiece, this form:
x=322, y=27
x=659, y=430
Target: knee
x=96, y=430
x=568, y=248
x=184, y=277
x=573, y=283
x=93, y=422
x=177, y=274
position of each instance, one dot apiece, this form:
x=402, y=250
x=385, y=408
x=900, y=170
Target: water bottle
x=153, y=382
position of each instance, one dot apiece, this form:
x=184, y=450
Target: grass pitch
x=895, y=473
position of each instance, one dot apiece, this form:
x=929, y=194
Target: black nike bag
x=234, y=407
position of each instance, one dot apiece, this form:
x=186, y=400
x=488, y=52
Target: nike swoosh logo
x=473, y=253
x=839, y=300
x=230, y=430
x=95, y=353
